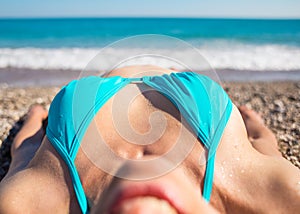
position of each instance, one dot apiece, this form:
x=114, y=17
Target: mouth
x=146, y=198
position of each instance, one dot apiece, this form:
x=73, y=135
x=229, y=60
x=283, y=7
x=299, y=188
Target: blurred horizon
x=153, y=17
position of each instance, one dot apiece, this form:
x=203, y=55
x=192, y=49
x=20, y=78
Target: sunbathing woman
x=241, y=171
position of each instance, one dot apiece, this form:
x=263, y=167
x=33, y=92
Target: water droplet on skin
x=237, y=158
x=222, y=172
x=242, y=171
x=239, y=190
x=202, y=159
x=230, y=175
x=298, y=186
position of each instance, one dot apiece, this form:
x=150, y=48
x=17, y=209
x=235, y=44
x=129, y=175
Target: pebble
x=279, y=106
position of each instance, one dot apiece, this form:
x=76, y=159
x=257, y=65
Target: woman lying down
x=232, y=164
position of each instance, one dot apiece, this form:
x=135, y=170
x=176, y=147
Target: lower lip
x=138, y=191
x=148, y=204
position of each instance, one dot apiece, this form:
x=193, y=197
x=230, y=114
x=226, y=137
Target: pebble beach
x=278, y=103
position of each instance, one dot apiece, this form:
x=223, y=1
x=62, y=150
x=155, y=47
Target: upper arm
x=28, y=192
x=10, y=200
x=283, y=183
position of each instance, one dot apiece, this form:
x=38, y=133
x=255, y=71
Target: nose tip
x=141, y=152
x=146, y=167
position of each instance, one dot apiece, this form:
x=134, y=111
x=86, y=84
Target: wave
x=220, y=55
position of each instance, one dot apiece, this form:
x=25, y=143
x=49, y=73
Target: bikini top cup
x=201, y=101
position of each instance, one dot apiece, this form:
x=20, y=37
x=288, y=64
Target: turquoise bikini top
x=202, y=102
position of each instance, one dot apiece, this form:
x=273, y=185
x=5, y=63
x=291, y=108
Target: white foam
x=37, y=58
x=219, y=55
x=253, y=57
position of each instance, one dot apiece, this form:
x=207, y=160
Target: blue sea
x=229, y=44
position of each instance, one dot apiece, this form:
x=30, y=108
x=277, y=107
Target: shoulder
x=27, y=192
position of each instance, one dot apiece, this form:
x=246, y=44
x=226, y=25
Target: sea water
x=70, y=43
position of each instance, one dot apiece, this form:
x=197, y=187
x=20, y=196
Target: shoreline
x=20, y=77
